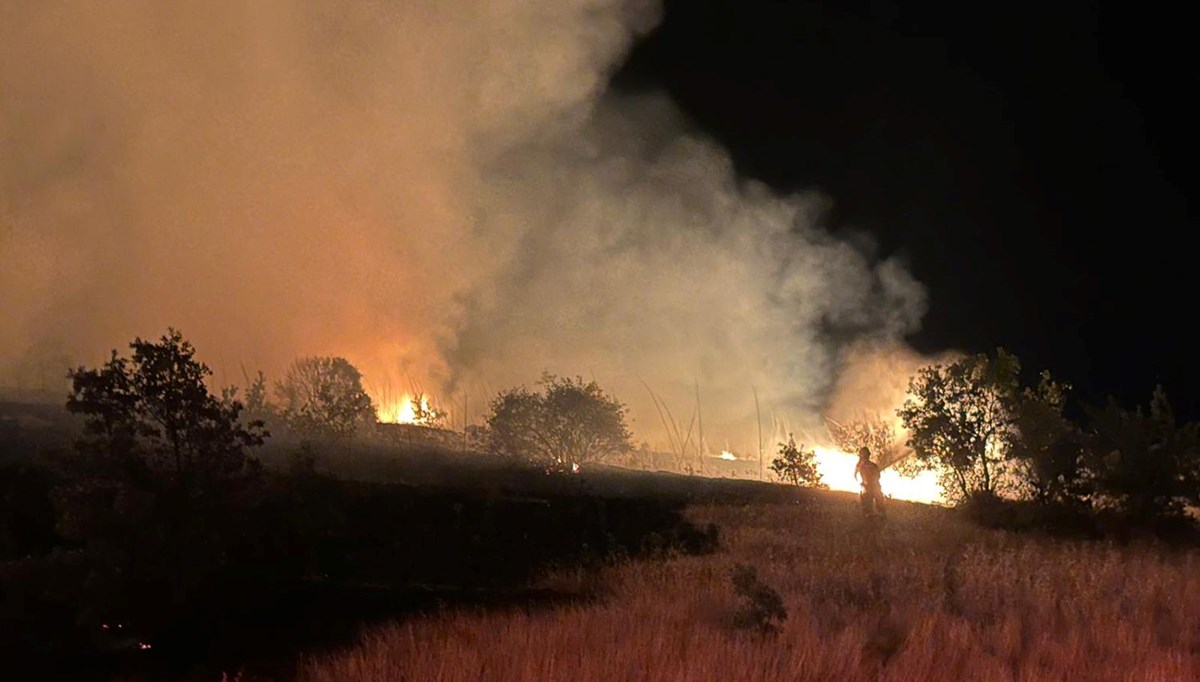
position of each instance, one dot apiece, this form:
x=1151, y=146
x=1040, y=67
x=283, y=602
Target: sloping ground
x=323, y=557
x=427, y=465
x=924, y=597
x=491, y=571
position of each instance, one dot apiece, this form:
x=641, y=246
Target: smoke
x=436, y=189
x=873, y=383
x=874, y=380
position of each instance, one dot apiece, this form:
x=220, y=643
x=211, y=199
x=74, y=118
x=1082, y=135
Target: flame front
x=402, y=411
x=837, y=471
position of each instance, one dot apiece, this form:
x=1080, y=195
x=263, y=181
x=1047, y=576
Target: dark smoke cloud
x=439, y=190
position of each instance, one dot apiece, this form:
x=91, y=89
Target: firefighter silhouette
x=867, y=474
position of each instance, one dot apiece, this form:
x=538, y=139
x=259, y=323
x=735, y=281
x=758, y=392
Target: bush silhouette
x=569, y=424
x=323, y=397
x=796, y=465
x=762, y=607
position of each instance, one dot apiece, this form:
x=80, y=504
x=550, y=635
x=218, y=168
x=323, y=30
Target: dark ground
x=431, y=529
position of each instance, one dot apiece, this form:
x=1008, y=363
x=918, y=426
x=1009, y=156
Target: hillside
x=926, y=597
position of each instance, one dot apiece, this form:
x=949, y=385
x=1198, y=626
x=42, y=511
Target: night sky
x=1027, y=161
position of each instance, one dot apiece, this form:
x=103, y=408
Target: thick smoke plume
x=440, y=190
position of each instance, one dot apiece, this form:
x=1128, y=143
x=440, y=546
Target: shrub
x=762, y=606
x=796, y=465
x=323, y=397
x=567, y=425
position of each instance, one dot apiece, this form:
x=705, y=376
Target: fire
x=837, y=471
x=402, y=411
x=727, y=455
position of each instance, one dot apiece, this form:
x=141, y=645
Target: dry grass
x=928, y=598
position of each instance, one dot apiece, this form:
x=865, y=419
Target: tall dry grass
x=926, y=598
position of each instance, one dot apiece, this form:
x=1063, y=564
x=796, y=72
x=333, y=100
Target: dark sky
x=1027, y=160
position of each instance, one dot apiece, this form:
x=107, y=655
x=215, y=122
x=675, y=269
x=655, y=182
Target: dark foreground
x=325, y=557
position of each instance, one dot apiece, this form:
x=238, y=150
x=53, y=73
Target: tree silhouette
x=160, y=477
x=796, y=465
x=874, y=433
x=154, y=410
x=1144, y=464
x=1046, y=447
x=427, y=414
x=960, y=416
x=323, y=397
x=570, y=423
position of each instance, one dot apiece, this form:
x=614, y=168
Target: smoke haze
x=439, y=190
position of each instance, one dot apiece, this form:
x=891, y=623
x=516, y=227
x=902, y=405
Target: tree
x=1046, y=448
x=256, y=395
x=960, y=419
x=426, y=414
x=161, y=476
x=154, y=411
x=796, y=465
x=569, y=424
x=874, y=433
x=323, y=397
x=1144, y=465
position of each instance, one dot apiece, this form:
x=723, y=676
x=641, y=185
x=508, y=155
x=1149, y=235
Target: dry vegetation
x=927, y=598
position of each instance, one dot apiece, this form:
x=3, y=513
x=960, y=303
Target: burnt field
x=333, y=541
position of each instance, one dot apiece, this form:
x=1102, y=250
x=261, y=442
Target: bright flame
x=402, y=411
x=837, y=472
x=725, y=454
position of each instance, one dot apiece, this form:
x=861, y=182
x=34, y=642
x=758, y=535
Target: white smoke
x=433, y=188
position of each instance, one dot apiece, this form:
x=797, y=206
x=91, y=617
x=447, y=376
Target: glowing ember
x=837, y=471
x=725, y=454
x=143, y=646
x=402, y=411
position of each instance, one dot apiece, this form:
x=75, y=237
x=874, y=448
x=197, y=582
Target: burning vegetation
x=288, y=180
x=175, y=493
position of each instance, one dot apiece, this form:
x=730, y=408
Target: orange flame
x=402, y=411
x=837, y=472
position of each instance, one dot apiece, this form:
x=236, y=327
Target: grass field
x=926, y=597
